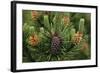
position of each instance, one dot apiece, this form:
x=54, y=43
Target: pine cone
x=77, y=38
x=35, y=15
x=55, y=44
x=33, y=40
x=66, y=20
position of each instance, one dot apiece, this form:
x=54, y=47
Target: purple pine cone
x=55, y=44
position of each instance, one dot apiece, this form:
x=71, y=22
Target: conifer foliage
x=55, y=36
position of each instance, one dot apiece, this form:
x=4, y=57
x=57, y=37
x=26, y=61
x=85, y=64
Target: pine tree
x=55, y=36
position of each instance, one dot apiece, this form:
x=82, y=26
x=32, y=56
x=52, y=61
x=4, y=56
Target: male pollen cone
x=77, y=37
x=33, y=40
x=35, y=15
x=66, y=20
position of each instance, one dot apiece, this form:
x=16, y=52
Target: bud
x=41, y=29
x=46, y=21
x=72, y=32
x=25, y=27
x=41, y=32
x=31, y=30
x=81, y=25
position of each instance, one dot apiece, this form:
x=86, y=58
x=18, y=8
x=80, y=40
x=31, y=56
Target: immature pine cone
x=35, y=15
x=33, y=40
x=66, y=20
x=77, y=38
x=55, y=44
